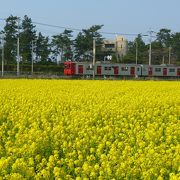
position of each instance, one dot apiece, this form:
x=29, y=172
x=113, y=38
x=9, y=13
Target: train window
x=67, y=66
x=171, y=70
x=80, y=69
x=89, y=67
x=124, y=69
x=138, y=69
x=157, y=69
x=107, y=68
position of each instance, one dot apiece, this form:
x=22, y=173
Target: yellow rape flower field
x=80, y=129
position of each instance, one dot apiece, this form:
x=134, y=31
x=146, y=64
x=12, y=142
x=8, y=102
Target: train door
x=99, y=70
x=116, y=70
x=150, y=71
x=132, y=71
x=73, y=68
x=178, y=71
x=80, y=69
x=164, y=71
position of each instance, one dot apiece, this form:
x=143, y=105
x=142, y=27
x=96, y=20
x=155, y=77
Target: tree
x=176, y=45
x=160, y=47
x=139, y=46
x=84, y=42
x=42, y=48
x=27, y=35
x=62, y=45
x=164, y=38
x=11, y=32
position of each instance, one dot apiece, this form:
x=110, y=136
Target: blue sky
x=121, y=16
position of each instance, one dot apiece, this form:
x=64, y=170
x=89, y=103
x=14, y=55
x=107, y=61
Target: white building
x=119, y=46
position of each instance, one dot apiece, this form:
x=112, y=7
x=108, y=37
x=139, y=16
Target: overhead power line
x=55, y=26
x=125, y=34
x=77, y=29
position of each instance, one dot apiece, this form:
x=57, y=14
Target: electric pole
x=18, y=57
x=32, y=56
x=163, y=62
x=150, y=39
x=136, y=52
x=94, y=56
x=170, y=54
x=2, y=40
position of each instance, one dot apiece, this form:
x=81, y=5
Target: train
x=107, y=69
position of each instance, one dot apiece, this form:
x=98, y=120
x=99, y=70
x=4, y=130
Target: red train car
x=116, y=69
x=69, y=68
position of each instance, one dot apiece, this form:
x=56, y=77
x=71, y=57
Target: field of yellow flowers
x=78, y=129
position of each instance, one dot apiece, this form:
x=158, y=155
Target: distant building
x=117, y=46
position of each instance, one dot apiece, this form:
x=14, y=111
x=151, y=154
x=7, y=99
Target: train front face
x=69, y=68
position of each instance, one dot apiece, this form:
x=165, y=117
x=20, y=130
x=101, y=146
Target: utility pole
x=170, y=54
x=150, y=35
x=94, y=56
x=163, y=62
x=2, y=70
x=32, y=56
x=18, y=57
x=116, y=42
x=136, y=52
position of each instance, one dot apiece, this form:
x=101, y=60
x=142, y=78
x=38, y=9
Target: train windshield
x=67, y=66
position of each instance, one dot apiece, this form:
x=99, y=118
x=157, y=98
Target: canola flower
x=57, y=129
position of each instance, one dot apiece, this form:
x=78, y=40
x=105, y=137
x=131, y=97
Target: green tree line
x=164, y=47
x=47, y=50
